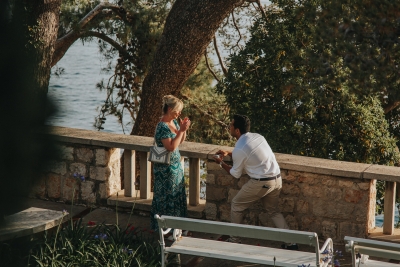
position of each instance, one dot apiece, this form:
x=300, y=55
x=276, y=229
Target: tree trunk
x=189, y=28
x=46, y=13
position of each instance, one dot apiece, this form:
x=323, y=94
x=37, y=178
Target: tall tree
x=131, y=31
x=189, y=28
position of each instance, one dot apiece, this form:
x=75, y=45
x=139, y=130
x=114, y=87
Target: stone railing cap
x=206, y=151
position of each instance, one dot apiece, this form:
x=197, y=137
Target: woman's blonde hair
x=170, y=101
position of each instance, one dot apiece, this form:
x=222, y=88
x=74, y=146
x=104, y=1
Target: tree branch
x=109, y=40
x=237, y=29
x=390, y=106
x=201, y=110
x=261, y=8
x=209, y=67
x=64, y=43
x=221, y=63
x=95, y=11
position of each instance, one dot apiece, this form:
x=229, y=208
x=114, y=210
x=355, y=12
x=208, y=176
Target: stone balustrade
x=332, y=198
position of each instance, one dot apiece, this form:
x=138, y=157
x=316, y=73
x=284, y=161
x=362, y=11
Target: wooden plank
x=145, y=175
x=243, y=253
x=129, y=172
x=388, y=209
x=194, y=181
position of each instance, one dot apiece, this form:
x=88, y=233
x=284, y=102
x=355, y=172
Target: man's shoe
x=290, y=247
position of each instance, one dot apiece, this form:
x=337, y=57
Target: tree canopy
x=295, y=80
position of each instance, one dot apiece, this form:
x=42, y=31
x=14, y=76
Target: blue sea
x=77, y=98
x=74, y=92
x=379, y=219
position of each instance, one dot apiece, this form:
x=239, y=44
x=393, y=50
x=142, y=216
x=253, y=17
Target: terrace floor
x=141, y=219
x=377, y=234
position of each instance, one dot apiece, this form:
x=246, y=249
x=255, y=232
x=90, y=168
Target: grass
x=74, y=244
x=81, y=245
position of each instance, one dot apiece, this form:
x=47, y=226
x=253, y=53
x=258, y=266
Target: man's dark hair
x=242, y=123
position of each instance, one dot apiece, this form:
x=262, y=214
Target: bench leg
x=163, y=256
x=350, y=247
x=162, y=247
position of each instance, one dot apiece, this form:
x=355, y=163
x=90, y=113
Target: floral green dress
x=169, y=183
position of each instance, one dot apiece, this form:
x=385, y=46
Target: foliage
x=367, y=42
x=79, y=245
x=320, y=79
x=207, y=111
x=304, y=112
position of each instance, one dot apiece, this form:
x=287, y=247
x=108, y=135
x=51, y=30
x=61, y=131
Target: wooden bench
x=372, y=248
x=241, y=252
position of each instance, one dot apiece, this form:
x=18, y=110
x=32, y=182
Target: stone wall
x=333, y=198
x=100, y=167
x=330, y=205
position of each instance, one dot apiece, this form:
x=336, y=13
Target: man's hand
x=218, y=158
x=223, y=153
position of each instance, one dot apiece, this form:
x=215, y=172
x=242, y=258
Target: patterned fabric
x=169, y=183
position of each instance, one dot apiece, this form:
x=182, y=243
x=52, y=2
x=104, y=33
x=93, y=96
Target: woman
x=169, y=183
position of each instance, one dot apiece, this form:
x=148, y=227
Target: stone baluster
x=129, y=172
x=194, y=181
x=388, y=209
x=145, y=175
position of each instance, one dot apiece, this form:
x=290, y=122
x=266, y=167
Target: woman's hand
x=171, y=144
x=184, y=124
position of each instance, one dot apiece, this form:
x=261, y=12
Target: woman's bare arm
x=171, y=144
x=183, y=138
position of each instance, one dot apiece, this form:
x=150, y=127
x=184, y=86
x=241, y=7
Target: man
x=253, y=155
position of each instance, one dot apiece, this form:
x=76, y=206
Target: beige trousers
x=253, y=190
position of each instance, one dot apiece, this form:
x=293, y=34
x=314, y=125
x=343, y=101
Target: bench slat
x=241, y=252
x=250, y=231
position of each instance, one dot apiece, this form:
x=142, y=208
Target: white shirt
x=253, y=155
